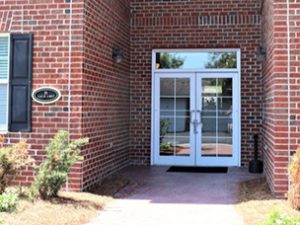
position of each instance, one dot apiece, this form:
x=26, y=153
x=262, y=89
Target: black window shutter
x=20, y=77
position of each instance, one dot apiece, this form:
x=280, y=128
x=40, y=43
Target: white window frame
x=6, y=81
x=206, y=71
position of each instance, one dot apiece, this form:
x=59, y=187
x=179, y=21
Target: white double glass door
x=196, y=119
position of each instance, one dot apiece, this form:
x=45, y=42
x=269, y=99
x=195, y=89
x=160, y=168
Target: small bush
x=12, y=159
x=294, y=171
x=8, y=202
x=277, y=218
x=53, y=171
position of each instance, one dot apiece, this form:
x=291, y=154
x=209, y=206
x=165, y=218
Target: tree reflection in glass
x=196, y=60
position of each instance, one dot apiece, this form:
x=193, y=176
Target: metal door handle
x=194, y=121
x=198, y=111
x=200, y=118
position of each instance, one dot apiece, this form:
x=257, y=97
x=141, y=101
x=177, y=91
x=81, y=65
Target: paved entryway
x=176, y=199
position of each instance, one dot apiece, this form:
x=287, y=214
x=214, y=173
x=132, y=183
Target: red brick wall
x=193, y=24
x=99, y=87
x=275, y=73
x=106, y=88
x=115, y=112
x=268, y=101
x=49, y=23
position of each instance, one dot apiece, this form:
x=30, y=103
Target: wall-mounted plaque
x=46, y=95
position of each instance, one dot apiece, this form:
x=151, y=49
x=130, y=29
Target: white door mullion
x=198, y=136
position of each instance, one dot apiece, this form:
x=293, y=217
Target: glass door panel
x=174, y=114
x=196, y=119
x=216, y=117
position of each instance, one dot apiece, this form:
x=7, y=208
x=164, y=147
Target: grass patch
x=256, y=202
x=69, y=208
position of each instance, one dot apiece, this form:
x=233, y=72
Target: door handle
x=198, y=111
x=200, y=119
x=195, y=121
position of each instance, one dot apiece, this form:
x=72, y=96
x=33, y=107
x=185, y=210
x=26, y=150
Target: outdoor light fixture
x=261, y=52
x=117, y=55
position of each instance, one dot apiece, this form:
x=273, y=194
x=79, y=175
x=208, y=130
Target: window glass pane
x=225, y=87
x=182, y=145
x=167, y=87
x=196, y=60
x=3, y=57
x=217, y=124
x=182, y=107
x=3, y=106
x=225, y=106
x=174, y=116
x=183, y=87
x=224, y=147
x=210, y=87
x=209, y=147
x=209, y=127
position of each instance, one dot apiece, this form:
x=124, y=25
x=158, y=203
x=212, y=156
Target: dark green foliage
x=222, y=60
x=169, y=61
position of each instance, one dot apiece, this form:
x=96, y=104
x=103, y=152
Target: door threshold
x=194, y=169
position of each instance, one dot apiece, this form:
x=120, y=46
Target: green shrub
x=53, y=171
x=277, y=218
x=12, y=159
x=8, y=202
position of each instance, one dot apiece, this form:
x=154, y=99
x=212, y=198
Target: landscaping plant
x=12, y=159
x=277, y=218
x=53, y=171
x=8, y=202
x=294, y=172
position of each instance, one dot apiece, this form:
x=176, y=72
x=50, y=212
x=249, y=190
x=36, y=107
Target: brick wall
x=106, y=88
x=99, y=87
x=115, y=112
x=268, y=101
x=275, y=73
x=50, y=24
x=193, y=24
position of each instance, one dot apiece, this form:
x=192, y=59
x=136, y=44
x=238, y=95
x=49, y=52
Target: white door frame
x=221, y=161
x=201, y=73
x=174, y=160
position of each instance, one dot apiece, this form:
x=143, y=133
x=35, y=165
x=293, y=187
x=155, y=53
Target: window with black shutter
x=15, y=82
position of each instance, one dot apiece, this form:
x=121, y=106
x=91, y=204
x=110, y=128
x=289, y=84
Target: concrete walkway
x=176, y=199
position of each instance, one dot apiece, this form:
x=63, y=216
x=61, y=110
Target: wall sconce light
x=117, y=55
x=261, y=53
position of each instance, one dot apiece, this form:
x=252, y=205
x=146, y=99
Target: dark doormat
x=187, y=169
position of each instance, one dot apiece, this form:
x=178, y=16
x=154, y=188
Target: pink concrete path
x=162, y=198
